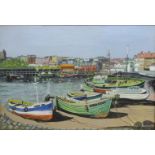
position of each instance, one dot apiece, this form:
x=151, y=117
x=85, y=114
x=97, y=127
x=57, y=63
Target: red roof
x=145, y=55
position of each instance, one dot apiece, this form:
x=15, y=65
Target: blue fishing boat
x=82, y=95
x=36, y=111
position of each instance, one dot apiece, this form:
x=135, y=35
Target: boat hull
x=43, y=117
x=137, y=97
x=43, y=112
x=113, y=82
x=99, y=109
x=84, y=95
x=100, y=90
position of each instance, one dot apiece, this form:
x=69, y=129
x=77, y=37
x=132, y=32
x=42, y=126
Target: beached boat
x=132, y=93
x=134, y=96
x=92, y=108
x=85, y=87
x=36, y=111
x=129, y=90
x=82, y=95
x=100, y=90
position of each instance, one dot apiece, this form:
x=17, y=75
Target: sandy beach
x=125, y=116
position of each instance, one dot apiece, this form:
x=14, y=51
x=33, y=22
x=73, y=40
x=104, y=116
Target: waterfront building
x=152, y=67
x=144, y=60
x=39, y=61
x=47, y=60
x=54, y=60
x=120, y=67
x=23, y=58
x=130, y=66
x=31, y=59
x=88, y=68
x=67, y=67
x=3, y=55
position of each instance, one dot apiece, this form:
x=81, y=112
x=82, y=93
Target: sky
x=76, y=41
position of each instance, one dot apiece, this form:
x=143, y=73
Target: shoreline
x=125, y=117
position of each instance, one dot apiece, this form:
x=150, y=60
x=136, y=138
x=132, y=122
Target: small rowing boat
x=97, y=108
x=82, y=95
x=36, y=111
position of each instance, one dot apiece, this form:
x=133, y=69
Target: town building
x=152, y=67
x=144, y=60
x=23, y=58
x=3, y=55
x=31, y=59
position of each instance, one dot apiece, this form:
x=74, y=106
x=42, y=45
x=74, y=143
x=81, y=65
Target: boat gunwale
x=83, y=103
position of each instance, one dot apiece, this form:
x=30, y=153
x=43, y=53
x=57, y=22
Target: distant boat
x=129, y=90
x=91, y=108
x=85, y=87
x=36, y=111
x=147, y=73
x=82, y=95
x=100, y=90
x=132, y=93
x=115, y=82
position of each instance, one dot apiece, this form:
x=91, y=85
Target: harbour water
x=27, y=91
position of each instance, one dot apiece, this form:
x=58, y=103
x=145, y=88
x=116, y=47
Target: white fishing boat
x=134, y=96
x=130, y=93
x=129, y=90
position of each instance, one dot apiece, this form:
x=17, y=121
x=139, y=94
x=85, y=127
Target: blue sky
x=77, y=41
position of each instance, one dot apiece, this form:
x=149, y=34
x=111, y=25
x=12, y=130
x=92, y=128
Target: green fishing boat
x=83, y=95
x=85, y=87
x=93, y=108
x=113, y=82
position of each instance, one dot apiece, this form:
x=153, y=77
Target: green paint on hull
x=87, y=88
x=97, y=109
x=119, y=82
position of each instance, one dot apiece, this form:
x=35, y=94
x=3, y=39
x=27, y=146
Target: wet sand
x=125, y=116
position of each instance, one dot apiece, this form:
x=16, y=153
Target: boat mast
x=48, y=87
x=127, y=58
x=109, y=62
x=36, y=89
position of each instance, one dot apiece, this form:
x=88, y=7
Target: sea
x=35, y=92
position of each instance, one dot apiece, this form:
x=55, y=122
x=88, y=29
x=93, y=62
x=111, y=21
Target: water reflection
x=27, y=91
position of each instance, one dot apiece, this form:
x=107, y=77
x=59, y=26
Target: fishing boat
x=85, y=87
x=82, y=95
x=98, y=79
x=130, y=96
x=137, y=97
x=132, y=93
x=113, y=82
x=97, y=108
x=36, y=111
x=100, y=90
x=129, y=90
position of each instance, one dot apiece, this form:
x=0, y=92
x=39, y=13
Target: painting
x=96, y=77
